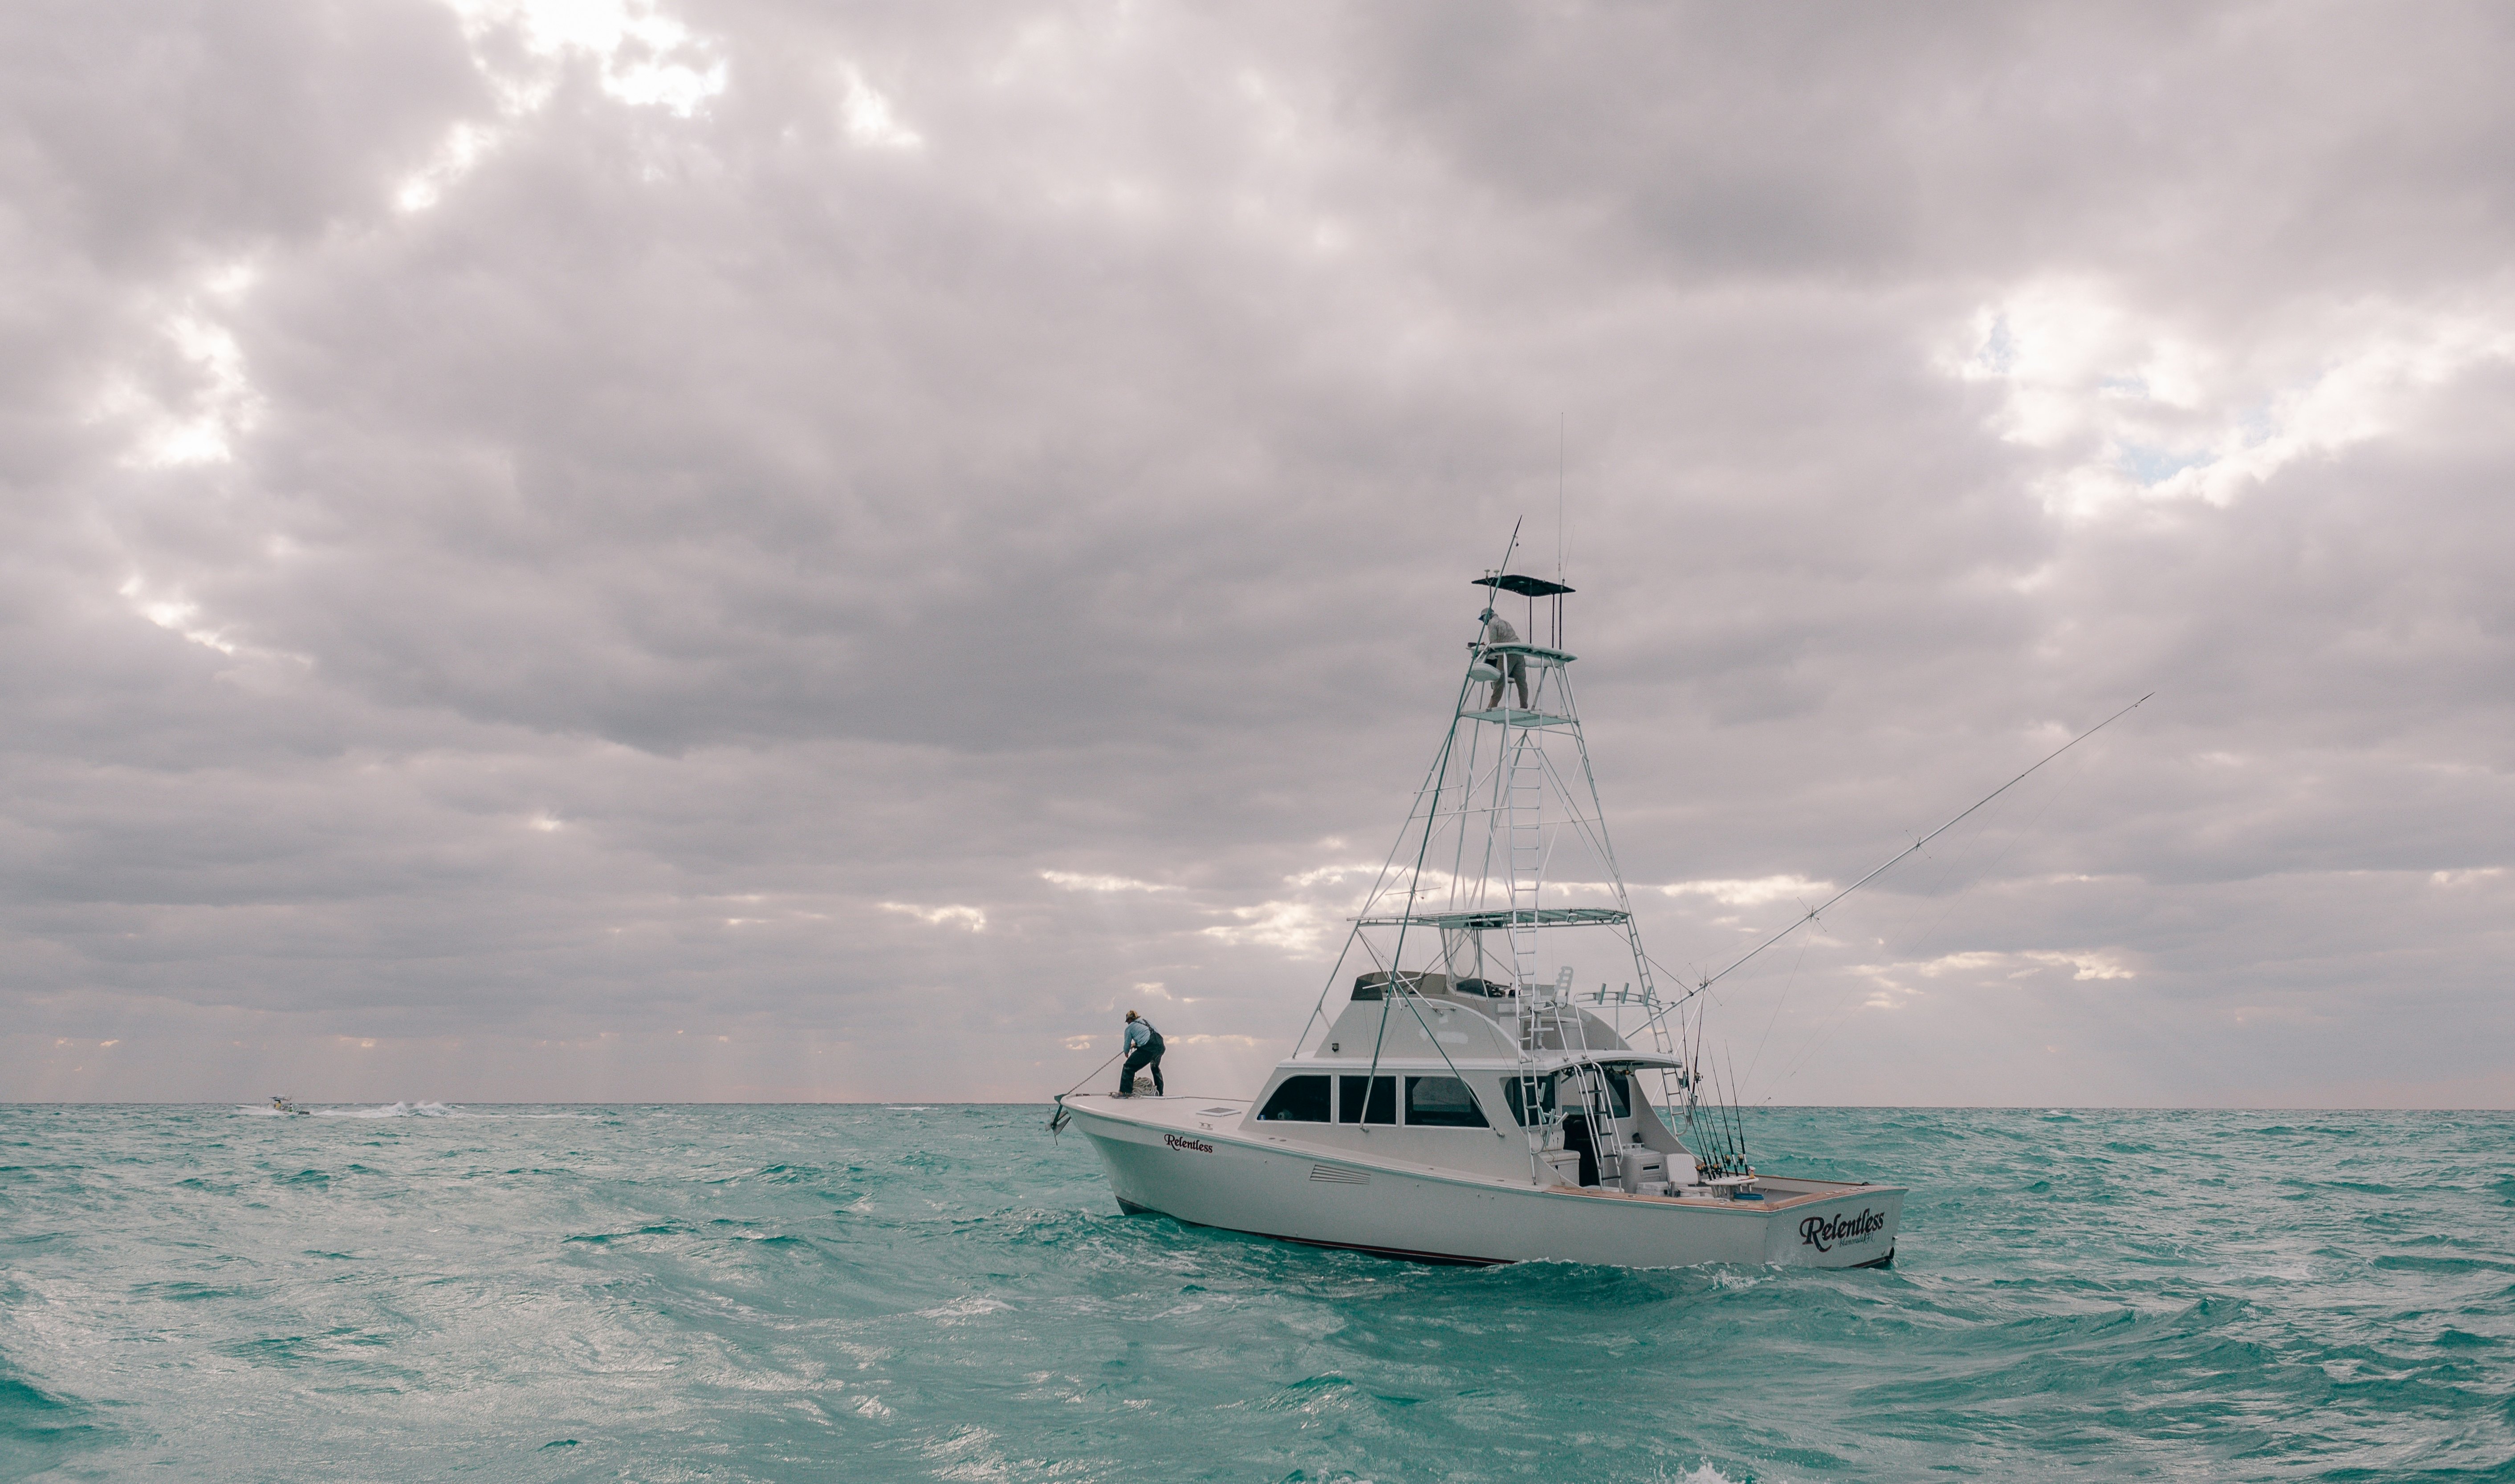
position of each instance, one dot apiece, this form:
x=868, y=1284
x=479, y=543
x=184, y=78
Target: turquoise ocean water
x=946, y=1293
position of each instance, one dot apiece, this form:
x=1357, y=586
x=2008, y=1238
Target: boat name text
x=1823, y=1232
x=1197, y=1144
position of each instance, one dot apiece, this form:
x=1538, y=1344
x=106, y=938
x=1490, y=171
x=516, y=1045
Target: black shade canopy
x=1524, y=586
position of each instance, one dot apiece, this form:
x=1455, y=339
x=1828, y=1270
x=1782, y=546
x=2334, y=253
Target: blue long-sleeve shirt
x=1140, y=1032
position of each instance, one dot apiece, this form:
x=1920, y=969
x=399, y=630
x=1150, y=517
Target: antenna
x=1560, y=422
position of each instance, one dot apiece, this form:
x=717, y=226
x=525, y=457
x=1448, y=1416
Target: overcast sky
x=569, y=551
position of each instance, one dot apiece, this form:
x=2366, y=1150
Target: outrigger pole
x=1813, y=912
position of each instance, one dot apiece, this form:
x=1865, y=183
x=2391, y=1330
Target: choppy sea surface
x=947, y=1293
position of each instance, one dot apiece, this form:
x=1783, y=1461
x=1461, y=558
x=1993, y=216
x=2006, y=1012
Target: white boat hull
x=1162, y=1157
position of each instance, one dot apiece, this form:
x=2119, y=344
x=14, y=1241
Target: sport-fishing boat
x=1456, y=1100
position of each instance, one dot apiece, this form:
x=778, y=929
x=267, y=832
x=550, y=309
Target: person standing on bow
x=1143, y=1050
x=1506, y=667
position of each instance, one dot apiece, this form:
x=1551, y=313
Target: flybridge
x=1533, y=651
x=1496, y=918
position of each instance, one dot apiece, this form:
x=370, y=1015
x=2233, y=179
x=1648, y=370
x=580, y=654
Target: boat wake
x=390, y=1110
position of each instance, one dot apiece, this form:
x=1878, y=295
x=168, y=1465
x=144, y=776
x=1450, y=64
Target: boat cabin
x=1440, y=1072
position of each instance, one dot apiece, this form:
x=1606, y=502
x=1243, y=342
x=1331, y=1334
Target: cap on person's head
x=1130, y=1014
x=1486, y=615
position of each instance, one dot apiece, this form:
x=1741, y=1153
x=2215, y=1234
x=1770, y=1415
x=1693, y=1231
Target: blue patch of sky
x=1999, y=349
x=2155, y=466
x=2255, y=425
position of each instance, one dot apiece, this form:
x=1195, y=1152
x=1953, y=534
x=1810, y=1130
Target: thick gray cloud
x=753, y=550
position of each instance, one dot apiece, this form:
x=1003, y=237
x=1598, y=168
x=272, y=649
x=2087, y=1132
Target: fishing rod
x=1814, y=912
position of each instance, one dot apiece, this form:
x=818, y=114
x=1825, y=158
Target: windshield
x=1584, y=1085
x=1571, y=1090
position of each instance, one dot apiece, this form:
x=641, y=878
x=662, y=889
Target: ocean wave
x=392, y=1110
x=41, y=1430
x=884, y=1293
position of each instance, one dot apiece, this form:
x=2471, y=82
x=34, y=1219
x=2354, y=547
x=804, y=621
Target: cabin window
x=1442, y=1102
x=1514, y=1091
x=1300, y=1101
x=1384, y=1101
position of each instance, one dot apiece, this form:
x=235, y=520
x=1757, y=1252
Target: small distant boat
x=1457, y=1104
x=279, y=1104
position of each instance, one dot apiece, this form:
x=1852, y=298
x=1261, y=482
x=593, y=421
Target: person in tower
x=1143, y=1050
x=1506, y=667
